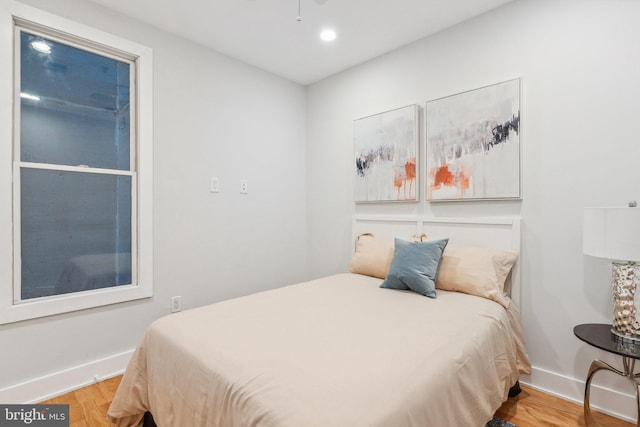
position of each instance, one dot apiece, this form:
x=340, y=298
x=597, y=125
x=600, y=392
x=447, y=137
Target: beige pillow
x=476, y=271
x=373, y=256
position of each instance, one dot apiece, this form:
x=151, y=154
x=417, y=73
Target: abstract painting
x=386, y=156
x=473, y=144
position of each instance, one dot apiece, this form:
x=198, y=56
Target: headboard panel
x=497, y=233
x=385, y=226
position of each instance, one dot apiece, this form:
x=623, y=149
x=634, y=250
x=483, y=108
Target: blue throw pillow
x=415, y=266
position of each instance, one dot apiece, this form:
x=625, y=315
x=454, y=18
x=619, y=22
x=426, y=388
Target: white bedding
x=337, y=351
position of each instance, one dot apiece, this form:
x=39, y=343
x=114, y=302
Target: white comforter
x=337, y=351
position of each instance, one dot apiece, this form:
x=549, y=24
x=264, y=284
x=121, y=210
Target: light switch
x=214, y=185
x=244, y=186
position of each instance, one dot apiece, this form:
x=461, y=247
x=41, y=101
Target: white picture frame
x=473, y=144
x=386, y=156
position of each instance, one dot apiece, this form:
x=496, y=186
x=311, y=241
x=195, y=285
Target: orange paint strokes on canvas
x=410, y=168
x=443, y=176
x=398, y=180
x=405, y=177
x=410, y=174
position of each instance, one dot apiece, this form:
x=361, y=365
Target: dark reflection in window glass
x=76, y=232
x=75, y=106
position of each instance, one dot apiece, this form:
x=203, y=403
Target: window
x=81, y=171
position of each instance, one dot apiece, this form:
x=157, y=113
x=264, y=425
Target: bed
x=338, y=350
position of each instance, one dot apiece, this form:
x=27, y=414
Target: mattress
x=336, y=351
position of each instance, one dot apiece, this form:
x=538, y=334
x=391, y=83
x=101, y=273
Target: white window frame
x=12, y=308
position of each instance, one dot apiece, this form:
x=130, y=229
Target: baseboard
x=61, y=382
x=611, y=402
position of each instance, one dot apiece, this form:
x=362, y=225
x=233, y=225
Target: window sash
x=18, y=166
x=141, y=161
x=22, y=25
x=83, y=45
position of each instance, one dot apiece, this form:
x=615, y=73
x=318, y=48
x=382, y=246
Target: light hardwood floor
x=531, y=408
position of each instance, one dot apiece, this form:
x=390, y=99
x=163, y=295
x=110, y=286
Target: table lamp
x=614, y=233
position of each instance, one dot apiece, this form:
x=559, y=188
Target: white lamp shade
x=612, y=233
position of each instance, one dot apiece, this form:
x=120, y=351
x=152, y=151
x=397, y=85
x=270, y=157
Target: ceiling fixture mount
x=327, y=34
x=299, y=18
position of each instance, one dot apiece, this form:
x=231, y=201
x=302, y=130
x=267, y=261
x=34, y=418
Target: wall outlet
x=176, y=304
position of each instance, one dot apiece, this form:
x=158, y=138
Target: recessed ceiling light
x=41, y=46
x=328, y=35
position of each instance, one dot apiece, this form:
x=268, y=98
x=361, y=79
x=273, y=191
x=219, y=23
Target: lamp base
x=625, y=312
x=626, y=341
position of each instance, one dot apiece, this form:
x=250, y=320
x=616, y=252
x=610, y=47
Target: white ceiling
x=266, y=33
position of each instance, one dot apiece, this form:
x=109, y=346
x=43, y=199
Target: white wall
x=214, y=116
x=579, y=66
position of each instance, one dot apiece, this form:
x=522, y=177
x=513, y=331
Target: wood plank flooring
x=532, y=408
x=88, y=407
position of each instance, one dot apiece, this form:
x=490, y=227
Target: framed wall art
x=473, y=144
x=386, y=156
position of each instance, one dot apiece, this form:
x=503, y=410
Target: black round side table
x=599, y=335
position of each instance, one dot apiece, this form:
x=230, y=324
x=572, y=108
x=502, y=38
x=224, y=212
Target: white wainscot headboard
x=492, y=232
